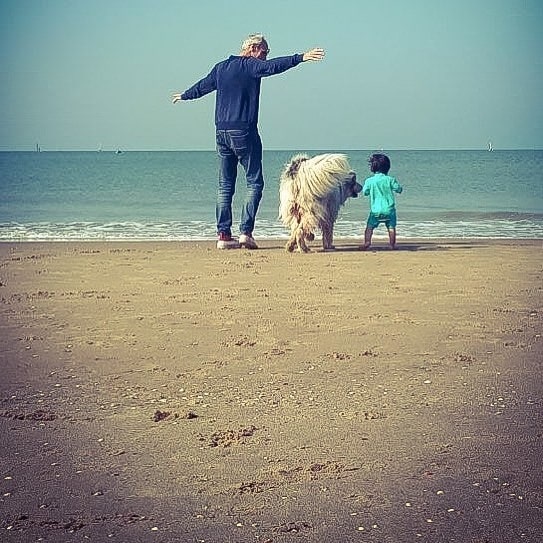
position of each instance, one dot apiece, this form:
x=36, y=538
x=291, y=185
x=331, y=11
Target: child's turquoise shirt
x=381, y=188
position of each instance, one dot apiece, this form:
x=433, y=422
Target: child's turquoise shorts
x=388, y=218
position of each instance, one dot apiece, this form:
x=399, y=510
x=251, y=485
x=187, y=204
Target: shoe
x=247, y=241
x=226, y=241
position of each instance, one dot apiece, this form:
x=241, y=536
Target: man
x=237, y=83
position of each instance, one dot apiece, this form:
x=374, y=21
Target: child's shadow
x=409, y=246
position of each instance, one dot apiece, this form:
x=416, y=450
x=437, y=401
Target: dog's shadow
x=353, y=247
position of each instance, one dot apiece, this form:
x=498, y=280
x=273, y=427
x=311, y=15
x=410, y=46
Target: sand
x=170, y=392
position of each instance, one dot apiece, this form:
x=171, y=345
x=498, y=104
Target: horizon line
x=323, y=149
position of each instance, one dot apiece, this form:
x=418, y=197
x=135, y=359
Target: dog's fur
x=311, y=193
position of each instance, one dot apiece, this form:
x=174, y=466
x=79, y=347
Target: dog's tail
x=291, y=169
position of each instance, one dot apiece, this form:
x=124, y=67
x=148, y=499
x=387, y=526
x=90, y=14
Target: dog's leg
x=301, y=236
x=300, y=239
x=291, y=243
x=289, y=247
x=294, y=239
x=328, y=237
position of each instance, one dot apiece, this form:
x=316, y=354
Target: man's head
x=255, y=46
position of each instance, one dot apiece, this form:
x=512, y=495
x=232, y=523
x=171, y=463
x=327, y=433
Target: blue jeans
x=245, y=147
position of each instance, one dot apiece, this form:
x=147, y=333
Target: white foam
x=199, y=230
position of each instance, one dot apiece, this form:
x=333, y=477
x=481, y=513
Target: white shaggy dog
x=311, y=193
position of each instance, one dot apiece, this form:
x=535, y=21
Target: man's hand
x=176, y=98
x=314, y=54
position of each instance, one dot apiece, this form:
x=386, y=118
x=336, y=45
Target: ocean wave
x=497, y=227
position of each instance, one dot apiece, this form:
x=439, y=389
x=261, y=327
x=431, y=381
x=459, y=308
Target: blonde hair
x=252, y=39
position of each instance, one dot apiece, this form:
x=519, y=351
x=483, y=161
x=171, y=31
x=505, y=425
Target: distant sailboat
x=490, y=148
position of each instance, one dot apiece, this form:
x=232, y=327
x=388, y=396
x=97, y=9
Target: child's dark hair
x=379, y=163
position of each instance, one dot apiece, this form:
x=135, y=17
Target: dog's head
x=351, y=186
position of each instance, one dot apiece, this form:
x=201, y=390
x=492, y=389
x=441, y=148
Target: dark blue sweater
x=237, y=82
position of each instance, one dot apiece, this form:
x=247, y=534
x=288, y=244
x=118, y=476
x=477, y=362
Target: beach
x=168, y=391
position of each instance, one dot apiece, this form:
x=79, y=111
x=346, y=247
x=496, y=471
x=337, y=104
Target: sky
x=398, y=74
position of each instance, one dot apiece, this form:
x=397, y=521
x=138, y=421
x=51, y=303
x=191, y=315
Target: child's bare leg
x=367, y=238
x=392, y=237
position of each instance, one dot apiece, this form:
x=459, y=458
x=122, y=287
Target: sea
x=170, y=195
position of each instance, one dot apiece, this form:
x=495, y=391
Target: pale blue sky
x=399, y=74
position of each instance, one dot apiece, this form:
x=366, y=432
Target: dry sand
x=170, y=392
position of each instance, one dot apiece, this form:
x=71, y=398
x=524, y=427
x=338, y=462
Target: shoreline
x=339, y=241
x=169, y=391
